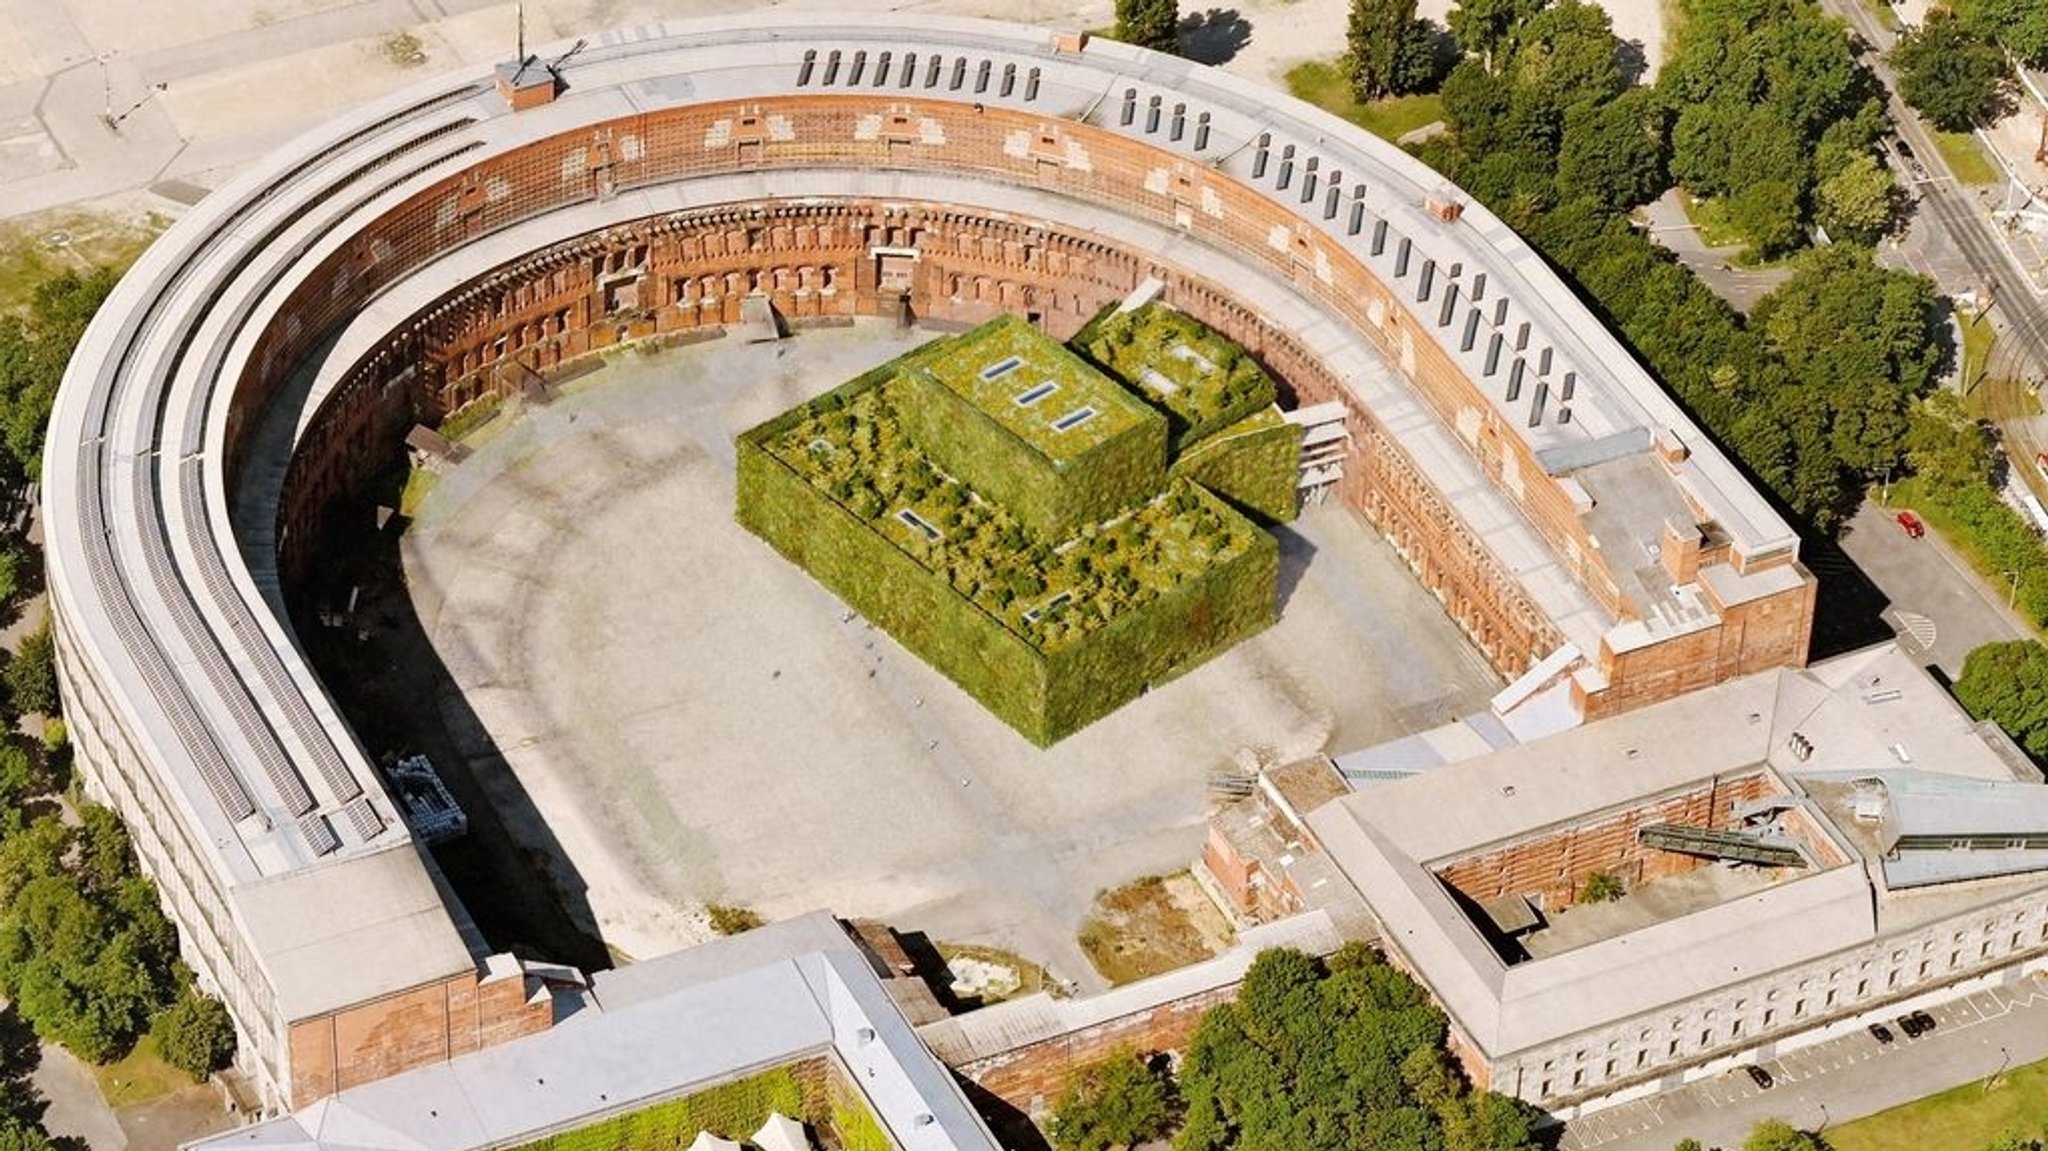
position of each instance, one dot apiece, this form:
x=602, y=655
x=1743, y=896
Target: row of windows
x=1679, y=1043
x=902, y=70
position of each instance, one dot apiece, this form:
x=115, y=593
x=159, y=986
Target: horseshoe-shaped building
x=272, y=351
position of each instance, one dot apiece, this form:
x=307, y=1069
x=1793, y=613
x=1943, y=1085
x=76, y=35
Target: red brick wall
x=656, y=275
x=426, y=1025
x=1029, y=1077
x=1557, y=865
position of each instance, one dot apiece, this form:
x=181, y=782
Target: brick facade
x=370, y=1041
x=1029, y=1077
x=688, y=271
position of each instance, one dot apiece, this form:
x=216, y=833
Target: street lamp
x=113, y=122
x=2012, y=595
x=2004, y=1060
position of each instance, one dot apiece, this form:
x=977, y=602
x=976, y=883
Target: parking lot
x=1975, y=1037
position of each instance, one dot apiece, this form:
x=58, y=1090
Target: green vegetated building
x=1051, y=539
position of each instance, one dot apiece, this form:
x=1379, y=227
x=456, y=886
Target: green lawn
x=1966, y=1118
x=1710, y=216
x=1966, y=158
x=1322, y=83
x=1884, y=12
x=1978, y=337
x=140, y=1078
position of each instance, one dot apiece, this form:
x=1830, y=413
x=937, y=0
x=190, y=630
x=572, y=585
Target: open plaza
x=696, y=720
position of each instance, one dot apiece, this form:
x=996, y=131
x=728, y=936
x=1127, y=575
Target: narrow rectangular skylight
x=1001, y=368
x=1036, y=394
x=1073, y=419
x=920, y=523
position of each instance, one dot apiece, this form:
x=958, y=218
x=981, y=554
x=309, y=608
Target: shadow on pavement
x=398, y=697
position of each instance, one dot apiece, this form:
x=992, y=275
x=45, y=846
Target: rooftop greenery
x=1034, y=388
x=1203, y=382
x=1050, y=591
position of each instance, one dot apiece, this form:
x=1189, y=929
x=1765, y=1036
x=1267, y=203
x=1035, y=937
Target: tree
x=1768, y=213
x=195, y=1034
x=1153, y=24
x=32, y=674
x=1688, y=1144
x=2007, y=683
x=1490, y=27
x=1118, y=1102
x=1331, y=1056
x=1945, y=445
x=1951, y=74
x=2020, y=25
x=1778, y=1135
x=1613, y=153
x=1374, y=40
x=1427, y=53
x=1857, y=200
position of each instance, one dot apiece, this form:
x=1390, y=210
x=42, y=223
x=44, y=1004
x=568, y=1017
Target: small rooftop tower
x=525, y=82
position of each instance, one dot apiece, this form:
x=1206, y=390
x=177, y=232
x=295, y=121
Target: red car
x=1911, y=525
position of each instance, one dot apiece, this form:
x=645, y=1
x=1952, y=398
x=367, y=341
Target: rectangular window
x=1073, y=419
x=1001, y=368
x=1036, y=394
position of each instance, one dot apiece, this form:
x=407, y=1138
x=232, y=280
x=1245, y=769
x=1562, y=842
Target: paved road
x=1831, y=1083
x=1940, y=606
x=1741, y=287
x=1942, y=200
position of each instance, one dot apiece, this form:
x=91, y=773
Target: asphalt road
x=1944, y=201
x=1940, y=606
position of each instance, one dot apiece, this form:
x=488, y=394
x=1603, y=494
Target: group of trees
x=2007, y=683
x=1814, y=394
x=1771, y=106
x=1955, y=69
x=1314, y=1054
x=85, y=951
x=1953, y=72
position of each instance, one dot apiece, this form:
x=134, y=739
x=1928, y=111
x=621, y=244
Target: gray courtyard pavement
x=696, y=720
x=1940, y=606
x=1978, y=1037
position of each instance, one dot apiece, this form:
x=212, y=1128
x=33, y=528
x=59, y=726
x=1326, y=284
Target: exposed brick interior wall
x=1557, y=864
x=431, y=1024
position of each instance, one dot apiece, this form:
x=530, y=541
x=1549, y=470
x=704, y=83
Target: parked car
x=1910, y=1025
x=1759, y=1076
x=1925, y=1021
x=1881, y=1033
x=1911, y=525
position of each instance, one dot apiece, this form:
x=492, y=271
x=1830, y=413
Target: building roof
x=1854, y=715
x=729, y=1008
x=357, y=929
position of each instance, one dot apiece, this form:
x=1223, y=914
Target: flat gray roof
x=657, y=1031
x=1857, y=714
